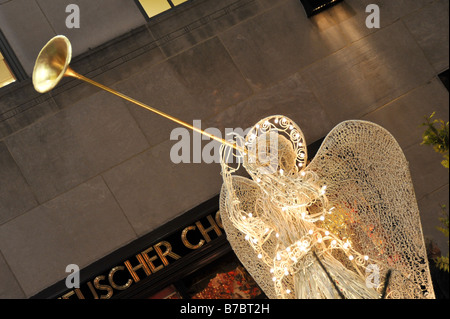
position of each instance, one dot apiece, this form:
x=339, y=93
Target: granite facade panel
x=77, y=227
x=76, y=144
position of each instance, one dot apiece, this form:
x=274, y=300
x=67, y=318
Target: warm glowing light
x=292, y=207
x=6, y=76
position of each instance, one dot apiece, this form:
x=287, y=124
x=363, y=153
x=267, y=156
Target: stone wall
x=83, y=172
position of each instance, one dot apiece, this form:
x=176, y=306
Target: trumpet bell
x=52, y=63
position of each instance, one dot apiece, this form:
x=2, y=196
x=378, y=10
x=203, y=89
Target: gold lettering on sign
x=146, y=260
x=168, y=252
x=92, y=289
x=207, y=230
x=103, y=287
x=150, y=260
x=68, y=295
x=141, y=264
x=218, y=219
x=111, y=279
x=186, y=241
x=79, y=293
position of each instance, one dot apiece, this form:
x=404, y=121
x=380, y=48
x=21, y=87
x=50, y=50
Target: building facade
x=84, y=174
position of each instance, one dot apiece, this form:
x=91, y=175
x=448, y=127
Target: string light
x=290, y=205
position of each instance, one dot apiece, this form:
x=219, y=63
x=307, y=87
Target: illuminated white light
x=310, y=232
x=286, y=272
x=319, y=240
x=366, y=257
x=281, y=172
x=274, y=278
x=259, y=256
x=247, y=237
x=350, y=257
x=288, y=249
x=327, y=233
x=303, y=173
x=267, y=230
x=258, y=180
x=345, y=245
x=288, y=291
x=278, y=257
x=272, y=270
x=322, y=218
x=333, y=242
x=277, y=235
x=250, y=215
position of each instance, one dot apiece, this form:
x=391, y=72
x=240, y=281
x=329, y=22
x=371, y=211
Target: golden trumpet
x=52, y=64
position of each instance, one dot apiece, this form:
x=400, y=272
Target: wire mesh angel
x=333, y=228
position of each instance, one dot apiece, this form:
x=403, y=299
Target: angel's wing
x=369, y=184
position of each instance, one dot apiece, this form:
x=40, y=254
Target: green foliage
x=442, y=262
x=437, y=135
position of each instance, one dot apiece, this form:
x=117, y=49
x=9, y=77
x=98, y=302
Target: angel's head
x=276, y=147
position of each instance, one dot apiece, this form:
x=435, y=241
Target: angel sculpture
x=334, y=228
